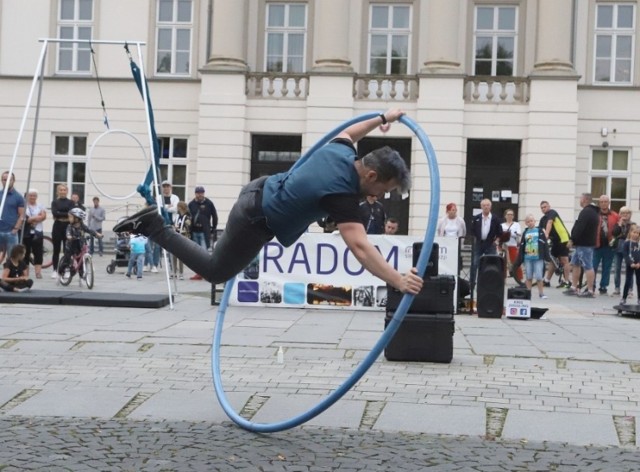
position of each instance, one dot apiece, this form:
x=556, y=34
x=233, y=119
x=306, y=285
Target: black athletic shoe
x=546, y=284
x=139, y=222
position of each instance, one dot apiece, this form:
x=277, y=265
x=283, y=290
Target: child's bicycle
x=81, y=264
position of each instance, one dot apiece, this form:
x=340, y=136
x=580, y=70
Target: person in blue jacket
x=330, y=182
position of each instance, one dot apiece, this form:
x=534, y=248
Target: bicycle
x=558, y=269
x=81, y=264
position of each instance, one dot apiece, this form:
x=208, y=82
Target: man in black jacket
x=486, y=228
x=204, y=218
x=584, y=235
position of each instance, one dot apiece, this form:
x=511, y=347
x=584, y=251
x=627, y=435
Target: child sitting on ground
x=15, y=275
x=75, y=236
x=533, y=248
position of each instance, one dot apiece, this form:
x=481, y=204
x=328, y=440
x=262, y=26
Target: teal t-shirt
x=531, y=238
x=291, y=200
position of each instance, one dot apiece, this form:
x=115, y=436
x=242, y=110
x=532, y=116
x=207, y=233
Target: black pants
x=33, y=246
x=244, y=236
x=58, y=237
x=11, y=286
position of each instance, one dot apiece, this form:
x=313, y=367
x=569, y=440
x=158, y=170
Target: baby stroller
x=122, y=252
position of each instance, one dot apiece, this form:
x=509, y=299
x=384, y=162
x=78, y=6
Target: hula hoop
x=90, y=156
x=388, y=333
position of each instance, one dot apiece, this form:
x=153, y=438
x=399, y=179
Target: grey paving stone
x=109, y=336
x=177, y=349
x=109, y=349
x=575, y=428
x=622, y=350
x=31, y=346
x=7, y=392
x=326, y=333
x=188, y=329
x=529, y=362
x=432, y=419
x=83, y=402
x=359, y=340
x=481, y=341
x=592, y=367
x=506, y=350
x=585, y=355
x=180, y=405
x=343, y=414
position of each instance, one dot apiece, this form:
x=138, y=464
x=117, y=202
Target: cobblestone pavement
x=123, y=445
x=102, y=388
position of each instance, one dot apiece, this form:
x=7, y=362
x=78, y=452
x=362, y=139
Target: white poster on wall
x=320, y=271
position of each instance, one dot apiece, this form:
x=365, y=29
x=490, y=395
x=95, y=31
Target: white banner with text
x=320, y=271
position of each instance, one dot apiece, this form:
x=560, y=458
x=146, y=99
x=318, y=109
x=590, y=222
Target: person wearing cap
x=330, y=182
x=204, y=221
x=169, y=200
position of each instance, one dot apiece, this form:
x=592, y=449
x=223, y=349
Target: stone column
x=228, y=39
x=553, y=37
x=331, y=41
x=442, y=18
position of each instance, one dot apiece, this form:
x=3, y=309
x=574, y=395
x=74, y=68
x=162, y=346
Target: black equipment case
x=422, y=338
x=426, y=332
x=436, y=296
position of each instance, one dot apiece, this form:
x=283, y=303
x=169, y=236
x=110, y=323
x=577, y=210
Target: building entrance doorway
x=493, y=172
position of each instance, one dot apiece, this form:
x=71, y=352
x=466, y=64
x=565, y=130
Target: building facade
x=522, y=100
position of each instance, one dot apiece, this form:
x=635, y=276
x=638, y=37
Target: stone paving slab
x=432, y=419
x=7, y=392
x=111, y=336
x=598, y=366
x=506, y=350
x=180, y=405
x=328, y=333
x=574, y=428
x=44, y=347
x=82, y=402
x=343, y=414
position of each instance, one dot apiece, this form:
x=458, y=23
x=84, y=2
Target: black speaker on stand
x=490, y=299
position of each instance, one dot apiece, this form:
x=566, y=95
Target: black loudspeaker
x=432, y=265
x=490, y=299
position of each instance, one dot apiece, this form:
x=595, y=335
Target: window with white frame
x=173, y=38
x=495, y=40
x=286, y=36
x=614, y=40
x=389, y=39
x=173, y=163
x=75, y=21
x=610, y=172
x=69, y=163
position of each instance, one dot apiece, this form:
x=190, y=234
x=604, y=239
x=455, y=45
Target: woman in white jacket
x=451, y=224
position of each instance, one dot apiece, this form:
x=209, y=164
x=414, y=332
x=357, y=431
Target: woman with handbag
x=32, y=237
x=510, y=240
x=620, y=232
